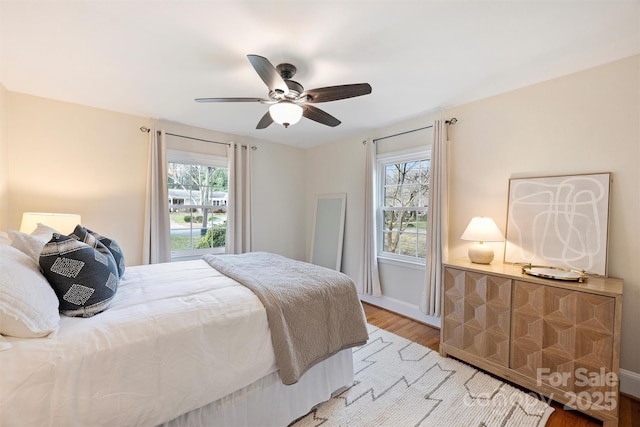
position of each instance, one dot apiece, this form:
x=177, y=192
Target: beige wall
x=69, y=158
x=279, y=197
x=66, y=157
x=4, y=148
x=580, y=123
x=339, y=168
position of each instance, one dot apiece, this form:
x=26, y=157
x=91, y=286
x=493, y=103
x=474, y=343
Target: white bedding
x=267, y=402
x=115, y=369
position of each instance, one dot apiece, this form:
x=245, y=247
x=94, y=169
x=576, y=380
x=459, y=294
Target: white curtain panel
x=437, y=243
x=157, y=242
x=370, y=277
x=238, y=239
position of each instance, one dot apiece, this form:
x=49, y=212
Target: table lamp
x=64, y=223
x=482, y=229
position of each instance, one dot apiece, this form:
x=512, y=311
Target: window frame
x=382, y=160
x=202, y=159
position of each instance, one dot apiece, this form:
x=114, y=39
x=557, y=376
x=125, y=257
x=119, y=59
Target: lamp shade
x=62, y=222
x=482, y=229
x=285, y=113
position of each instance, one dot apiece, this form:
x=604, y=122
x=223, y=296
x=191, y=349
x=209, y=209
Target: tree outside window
x=197, y=206
x=404, y=202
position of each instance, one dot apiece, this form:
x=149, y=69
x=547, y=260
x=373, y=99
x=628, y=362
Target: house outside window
x=198, y=196
x=403, y=197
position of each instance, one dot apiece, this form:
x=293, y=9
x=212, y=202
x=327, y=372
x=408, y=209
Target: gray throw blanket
x=313, y=312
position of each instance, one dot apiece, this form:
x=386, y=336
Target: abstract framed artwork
x=559, y=221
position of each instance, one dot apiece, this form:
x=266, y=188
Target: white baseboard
x=630, y=383
x=404, y=308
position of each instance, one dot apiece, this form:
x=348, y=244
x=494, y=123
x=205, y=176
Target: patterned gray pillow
x=84, y=279
x=109, y=243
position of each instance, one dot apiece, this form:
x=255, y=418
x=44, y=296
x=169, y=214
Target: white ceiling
x=152, y=58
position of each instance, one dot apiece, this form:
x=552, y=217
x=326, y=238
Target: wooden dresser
x=560, y=339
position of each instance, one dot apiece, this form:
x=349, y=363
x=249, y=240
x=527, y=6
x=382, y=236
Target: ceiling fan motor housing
x=295, y=89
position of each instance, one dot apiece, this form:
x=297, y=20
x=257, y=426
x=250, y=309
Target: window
x=403, y=202
x=198, y=190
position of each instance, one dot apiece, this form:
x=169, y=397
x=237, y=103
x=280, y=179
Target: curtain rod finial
x=144, y=129
x=451, y=121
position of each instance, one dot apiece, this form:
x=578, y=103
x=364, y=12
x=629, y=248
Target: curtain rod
x=451, y=121
x=146, y=129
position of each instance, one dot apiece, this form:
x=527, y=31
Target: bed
x=182, y=344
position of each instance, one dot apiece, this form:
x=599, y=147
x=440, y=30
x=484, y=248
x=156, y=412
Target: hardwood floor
x=430, y=337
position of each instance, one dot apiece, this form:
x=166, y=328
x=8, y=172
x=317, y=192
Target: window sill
x=418, y=264
x=196, y=254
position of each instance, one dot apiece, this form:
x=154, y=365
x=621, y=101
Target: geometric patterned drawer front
x=476, y=314
x=569, y=333
x=453, y=307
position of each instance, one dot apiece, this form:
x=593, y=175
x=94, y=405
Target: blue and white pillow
x=84, y=279
x=82, y=234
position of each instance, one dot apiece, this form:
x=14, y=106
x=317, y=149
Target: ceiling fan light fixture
x=285, y=113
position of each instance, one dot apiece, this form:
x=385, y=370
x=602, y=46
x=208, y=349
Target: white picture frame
x=559, y=221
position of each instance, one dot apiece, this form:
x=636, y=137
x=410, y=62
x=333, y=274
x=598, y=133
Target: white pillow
x=32, y=244
x=28, y=304
x=44, y=231
x=4, y=238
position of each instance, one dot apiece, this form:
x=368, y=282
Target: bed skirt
x=269, y=403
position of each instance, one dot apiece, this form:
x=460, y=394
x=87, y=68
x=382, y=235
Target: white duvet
x=176, y=337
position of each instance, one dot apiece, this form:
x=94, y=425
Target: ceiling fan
x=288, y=100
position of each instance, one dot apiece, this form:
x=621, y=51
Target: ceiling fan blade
x=317, y=115
x=230, y=100
x=268, y=73
x=334, y=93
x=265, y=121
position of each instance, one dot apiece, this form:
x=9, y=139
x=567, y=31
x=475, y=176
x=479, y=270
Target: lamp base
x=480, y=253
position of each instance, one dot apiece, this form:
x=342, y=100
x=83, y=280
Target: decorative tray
x=555, y=273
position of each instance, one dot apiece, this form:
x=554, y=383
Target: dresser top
x=598, y=285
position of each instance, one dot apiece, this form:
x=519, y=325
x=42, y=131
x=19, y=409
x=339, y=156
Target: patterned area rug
x=401, y=383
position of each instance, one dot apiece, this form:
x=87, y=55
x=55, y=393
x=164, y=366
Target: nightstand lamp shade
x=64, y=223
x=482, y=229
